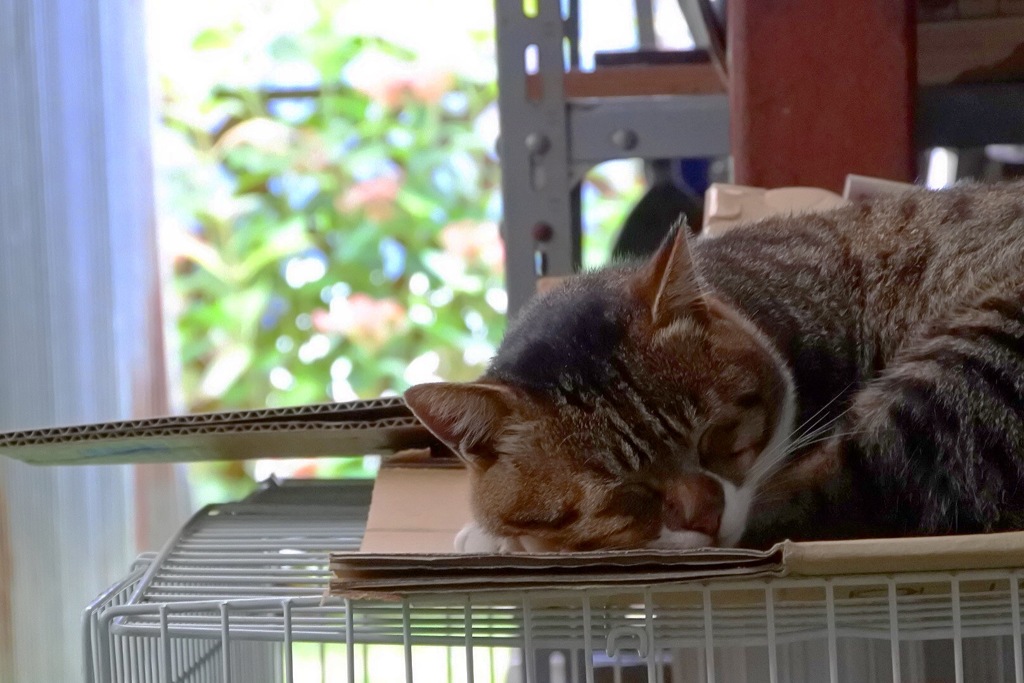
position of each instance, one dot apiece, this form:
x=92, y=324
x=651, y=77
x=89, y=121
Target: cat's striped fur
x=857, y=372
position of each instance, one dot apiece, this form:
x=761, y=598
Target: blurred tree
x=332, y=222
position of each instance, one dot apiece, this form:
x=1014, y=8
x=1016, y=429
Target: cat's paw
x=681, y=540
x=511, y=545
x=472, y=539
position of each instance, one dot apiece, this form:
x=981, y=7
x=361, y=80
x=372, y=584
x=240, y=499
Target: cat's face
x=624, y=409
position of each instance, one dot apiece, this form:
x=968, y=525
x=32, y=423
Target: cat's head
x=625, y=408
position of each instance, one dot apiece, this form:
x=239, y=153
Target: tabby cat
x=852, y=373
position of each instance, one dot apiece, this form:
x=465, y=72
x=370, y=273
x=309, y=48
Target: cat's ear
x=467, y=418
x=668, y=282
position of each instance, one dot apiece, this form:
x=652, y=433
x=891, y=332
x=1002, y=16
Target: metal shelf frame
x=550, y=142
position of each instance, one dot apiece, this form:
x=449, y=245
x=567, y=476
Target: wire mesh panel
x=240, y=596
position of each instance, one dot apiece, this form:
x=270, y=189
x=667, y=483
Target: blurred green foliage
x=333, y=239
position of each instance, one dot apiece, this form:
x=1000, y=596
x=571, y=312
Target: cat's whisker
x=770, y=461
x=824, y=433
x=824, y=408
x=814, y=420
x=769, y=487
x=811, y=428
x=820, y=427
x=835, y=435
x=812, y=434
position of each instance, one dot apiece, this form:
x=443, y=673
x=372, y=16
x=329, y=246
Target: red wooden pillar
x=821, y=88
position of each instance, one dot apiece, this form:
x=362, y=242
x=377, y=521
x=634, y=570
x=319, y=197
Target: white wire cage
x=240, y=595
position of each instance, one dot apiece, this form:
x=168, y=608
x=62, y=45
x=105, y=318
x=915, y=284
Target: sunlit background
x=329, y=198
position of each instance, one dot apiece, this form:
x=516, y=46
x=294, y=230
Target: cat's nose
x=694, y=502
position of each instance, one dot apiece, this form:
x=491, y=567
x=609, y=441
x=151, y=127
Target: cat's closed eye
x=716, y=443
x=730, y=444
x=638, y=497
x=530, y=520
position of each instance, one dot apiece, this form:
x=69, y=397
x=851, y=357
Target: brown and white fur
x=851, y=373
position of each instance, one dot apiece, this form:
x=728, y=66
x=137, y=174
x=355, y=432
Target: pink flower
x=311, y=152
x=267, y=135
x=375, y=197
x=474, y=241
x=402, y=81
x=361, y=318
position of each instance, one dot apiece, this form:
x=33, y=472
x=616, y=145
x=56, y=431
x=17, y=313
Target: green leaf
x=286, y=48
x=228, y=365
x=215, y=38
x=287, y=239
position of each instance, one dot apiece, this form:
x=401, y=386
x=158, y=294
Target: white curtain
x=80, y=325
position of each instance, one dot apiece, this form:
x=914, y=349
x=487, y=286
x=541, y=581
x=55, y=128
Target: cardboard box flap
x=356, y=428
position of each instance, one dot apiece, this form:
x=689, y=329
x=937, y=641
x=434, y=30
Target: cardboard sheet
x=364, y=573
x=889, y=555
x=410, y=573
x=355, y=428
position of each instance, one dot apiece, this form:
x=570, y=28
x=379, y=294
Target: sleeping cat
x=852, y=373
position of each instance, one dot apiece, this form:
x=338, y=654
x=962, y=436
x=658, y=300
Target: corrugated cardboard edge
x=386, y=589
x=381, y=426
x=455, y=582
x=905, y=555
x=347, y=411
x=229, y=442
x=357, y=563
x=409, y=573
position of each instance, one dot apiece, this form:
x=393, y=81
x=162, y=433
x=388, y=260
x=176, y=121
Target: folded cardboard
x=420, y=503
x=726, y=206
x=354, y=428
x=368, y=574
